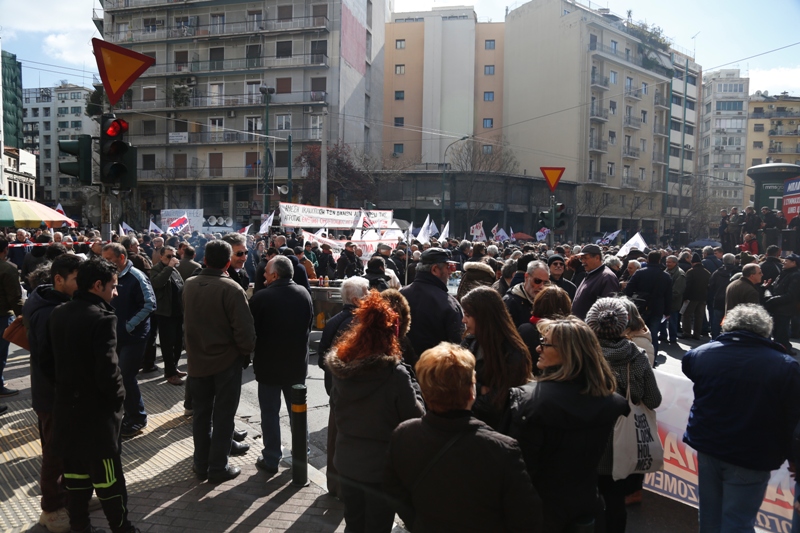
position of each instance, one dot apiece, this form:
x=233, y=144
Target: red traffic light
x=117, y=127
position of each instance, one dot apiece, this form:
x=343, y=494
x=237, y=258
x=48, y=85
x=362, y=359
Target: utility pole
x=323, y=162
x=266, y=92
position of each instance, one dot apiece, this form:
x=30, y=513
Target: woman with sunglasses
x=562, y=421
x=503, y=360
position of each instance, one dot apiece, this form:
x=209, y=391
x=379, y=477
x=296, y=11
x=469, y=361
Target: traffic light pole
x=105, y=213
x=550, y=236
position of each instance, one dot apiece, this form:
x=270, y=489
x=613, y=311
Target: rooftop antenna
x=694, y=45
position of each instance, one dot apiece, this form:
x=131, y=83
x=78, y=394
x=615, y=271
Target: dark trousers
x=103, y=476
x=130, y=361
x=149, y=359
x=366, y=507
x=215, y=398
x=693, y=316
x=782, y=330
x=613, y=492
x=4, y=345
x=331, y=473
x=654, y=325
x=53, y=495
x=170, y=331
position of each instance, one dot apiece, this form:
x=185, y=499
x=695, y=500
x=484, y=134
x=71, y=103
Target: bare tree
x=591, y=203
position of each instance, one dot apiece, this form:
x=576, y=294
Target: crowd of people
x=503, y=392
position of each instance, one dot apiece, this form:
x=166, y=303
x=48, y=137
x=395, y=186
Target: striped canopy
x=22, y=213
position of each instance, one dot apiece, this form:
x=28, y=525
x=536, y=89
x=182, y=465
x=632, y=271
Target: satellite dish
x=758, y=93
x=437, y=201
x=212, y=220
x=764, y=93
x=283, y=189
x=229, y=221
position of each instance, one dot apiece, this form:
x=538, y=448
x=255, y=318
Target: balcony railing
x=657, y=185
x=196, y=173
x=224, y=137
x=630, y=92
x=629, y=182
x=183, y=31
x=599, y=81
x=776, y=114
x=660, y=158
x=780, y=132
x=630, y=152
x=300, y=60
x=632, y=122
x=660, y=101
x=597, y=145
x=660, y=129
x=235, y=100
x=597, y=177
x=109, y=5
x=598, y=114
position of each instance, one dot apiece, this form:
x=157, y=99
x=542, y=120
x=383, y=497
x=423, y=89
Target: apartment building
x=432, y=94
x=19, y=169
x=197, y=115
x=773, y=133
x=723, y=158
x=52, y=114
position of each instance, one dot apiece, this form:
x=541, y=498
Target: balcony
x=776, y=114
x=657, y=185
x=222, y=65
x=628, y=182
x=660, y=158
x=221, y=29
x=167, y=174
x=660, y=101
x=600, y=82
x=660, y=130
x=109, y=5
x=597, y=177
x=600, y=115
x=235, y=100
x=596, y=145
x=635, y=94
x=97, y=18
x=223, y=137
x=633, y=122
x=630, y=152
x=634, y=59
x=780, y=132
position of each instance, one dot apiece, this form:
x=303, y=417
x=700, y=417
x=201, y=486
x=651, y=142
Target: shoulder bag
x=16, y=333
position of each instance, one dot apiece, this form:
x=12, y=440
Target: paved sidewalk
x=164, y=494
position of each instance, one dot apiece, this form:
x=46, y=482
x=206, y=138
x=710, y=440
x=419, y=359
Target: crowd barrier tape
x=678, y=480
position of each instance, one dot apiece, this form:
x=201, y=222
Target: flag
x=121, y=231
x=432, y=229
x=127, y=228
x=495, y=229
x=366, y=223
x=410, y=234
x=60, y=209
x=246, y=229
x=266, y=224
x=154, y=229
x=501, y=235
x=180, y=225
x=424, y=236
x=477, y=229
x=542, y=234
x=637, y=241
x=610, y=238
x=511, y=230
x=445, y=232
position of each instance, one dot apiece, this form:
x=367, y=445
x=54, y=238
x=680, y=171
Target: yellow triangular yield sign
x=552, y=175
x=119, y=67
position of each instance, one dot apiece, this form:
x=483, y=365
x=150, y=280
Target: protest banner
x=196, y=219
x=311, y=216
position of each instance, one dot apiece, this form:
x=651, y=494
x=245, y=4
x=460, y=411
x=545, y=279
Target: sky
x=52, y=38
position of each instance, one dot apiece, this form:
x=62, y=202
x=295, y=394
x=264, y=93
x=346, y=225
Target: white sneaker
x=55, y=522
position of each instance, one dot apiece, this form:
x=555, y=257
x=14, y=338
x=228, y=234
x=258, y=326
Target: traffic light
x=130, y=161
x=113, y=149
x=81, y=168
x=561, y=216
x=545, y=220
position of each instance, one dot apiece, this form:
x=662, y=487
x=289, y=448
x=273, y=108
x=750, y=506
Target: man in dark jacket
x=697, y=293
x=134, y=303
x=36, y=314
x=655, y=287
x=507, y=272
x=782, y=303
x=376, y=274
x=435, y=315
x=732, y=480
x=717, y=291
x=385, y=251
x=745, y=290
x=519, y=300
x=34, y=258
x=752, y=222
x=326, y=266
x=599, y=281
x=236, y=270
x=89, y=396
x=772, y=265
x=283, y=315
x=348, y=265
x=557, y=267
x=168, y=286
x=20, y=247
x=10, y=305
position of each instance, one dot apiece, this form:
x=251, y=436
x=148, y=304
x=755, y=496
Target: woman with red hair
x=373, y=391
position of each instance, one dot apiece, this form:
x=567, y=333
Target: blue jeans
x=4, y=344
x=130, y=361
x=269, y=401
x=730, y=495
x=716, y=322
x=214, y=398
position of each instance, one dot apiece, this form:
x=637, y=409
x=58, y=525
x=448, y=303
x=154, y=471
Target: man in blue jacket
x=741, y=422
x=134, y=303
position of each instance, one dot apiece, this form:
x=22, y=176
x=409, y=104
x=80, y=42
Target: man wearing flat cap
x=599, y=282
x=349, y=264
x=435, y=314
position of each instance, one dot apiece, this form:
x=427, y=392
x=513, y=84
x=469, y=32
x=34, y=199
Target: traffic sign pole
x=551, y=235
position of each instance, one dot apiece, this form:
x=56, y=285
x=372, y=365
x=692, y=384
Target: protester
x=10, y=305
x=732, y=480
x=373, y=392
x=782, y=301
x=744, y=290
x=563, y=421
x=503, y=284
x=637, y=331
x=651, y=287
x=557, y=267
x=519, y=299
x=717, y=290
x=348, y=265
x=550, y=303
x=236, y=270
x=187, y=265
x=599, y=281
x=168, y=287
x=669, y=331
x=432, y=499
x=476, y=274
x=696, y=294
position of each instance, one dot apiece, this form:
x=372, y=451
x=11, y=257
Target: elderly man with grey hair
x=717, y=287
x=739, y=379
x=283, y=316
x=519, y=300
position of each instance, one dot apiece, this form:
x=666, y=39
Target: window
x=612, y=107
x=614, y=46
x=612, y=77
x=628, y=84
x=644, y=87
x=283, y=48
x=47, y=154
x=628, y=111
x=674, y=125
x=626, y=171
x=622, y=199
x=74, y=110
x=708, y=108
x=758, y=127
x=75, y=96
x=46, y=139
x=488, y=96
x=48, y=167
x=644, y=117
x=488, y=123
x=47, y=125
x=758, y=144
x=281, y=158
x=75, y=124
x=283, y=85
x=487, y=149
x=148, y=127
x=643, y=145
x=63, y=124
x=148, y=94
x=689, y=105
x=398, y=148
x=730, y=87
x=730, y=106
x=60, y=96
x=399, y=122
x=677, y=100
x=399, y=69
x=627, y=141
x=149, y=25
x=61, y=111
x=399, y=95
x=691, y=80
x=610, y=169
x=488, y=70
x=489, y=45
x=688, y=129
x=612, y=138
x=148, y=161
x=606, y=198
x=216, y=58
x=252, y=55
x=757, y=161
x=642, y=174
x=283, y=122
x=400, y=44
x=180, y=126
x=285, y=12
x=46, y=112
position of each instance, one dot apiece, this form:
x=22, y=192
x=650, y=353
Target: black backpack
x=379, y=284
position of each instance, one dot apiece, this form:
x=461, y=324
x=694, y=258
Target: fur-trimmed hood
x=480, y=267
x=365, y=368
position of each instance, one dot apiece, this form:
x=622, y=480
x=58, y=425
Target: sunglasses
x=169, y=256
x=537, y=281
x=557, y=264
x=240, y=253
x=544, y=344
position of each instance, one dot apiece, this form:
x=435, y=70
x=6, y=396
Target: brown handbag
x=16, y=333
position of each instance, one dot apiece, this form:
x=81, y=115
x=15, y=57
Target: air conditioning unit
x=771, y=106
x=231, y=113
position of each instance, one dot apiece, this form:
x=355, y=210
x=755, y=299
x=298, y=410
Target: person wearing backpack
x=717, y=287
x=376, y=274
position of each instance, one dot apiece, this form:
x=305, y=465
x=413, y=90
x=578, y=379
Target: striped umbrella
x=22, y=213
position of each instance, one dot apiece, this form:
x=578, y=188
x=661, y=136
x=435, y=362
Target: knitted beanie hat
x=608, y=318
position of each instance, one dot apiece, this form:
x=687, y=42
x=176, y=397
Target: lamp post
x=266, y=91
x=444, y=172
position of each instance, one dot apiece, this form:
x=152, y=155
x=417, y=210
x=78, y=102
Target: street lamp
x=266, y=91
x=444, y=172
